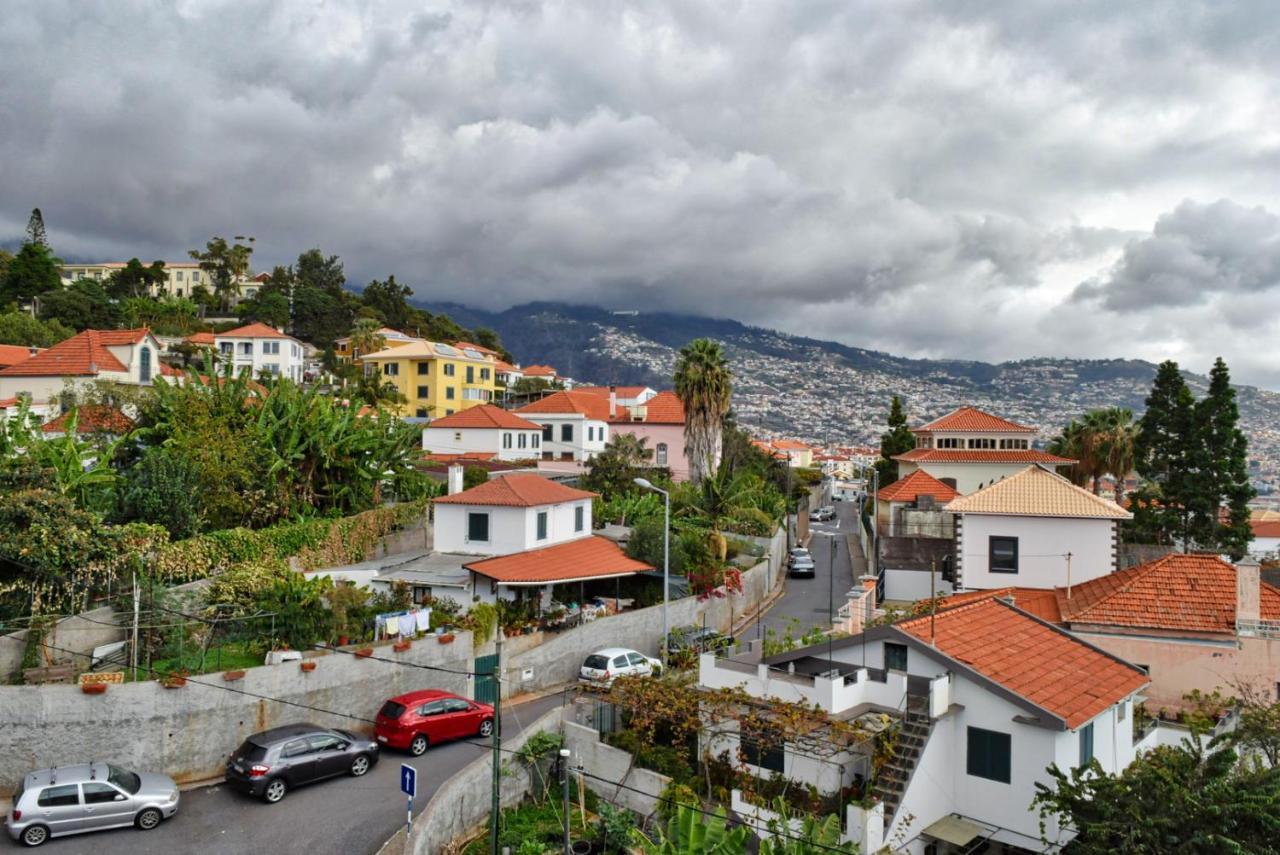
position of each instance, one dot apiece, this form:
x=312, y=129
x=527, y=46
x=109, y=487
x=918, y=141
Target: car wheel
x=486, y=727
x=148, y=819
x=35, y=835
x=275, y=791
x=419, y=745
x=360, y=765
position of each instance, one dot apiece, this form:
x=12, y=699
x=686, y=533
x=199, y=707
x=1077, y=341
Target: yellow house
x=437, y=379
x=343, y=351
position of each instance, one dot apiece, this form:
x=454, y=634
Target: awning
x=954, y=830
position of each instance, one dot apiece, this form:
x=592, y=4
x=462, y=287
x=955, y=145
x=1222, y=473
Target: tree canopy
x=704, y=384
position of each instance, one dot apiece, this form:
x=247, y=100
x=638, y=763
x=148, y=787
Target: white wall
x=580, y=447
x=912, y=585
x=1262, y=547
x=968, y=476
x=510, y=529
x=1042, y=544
x=482, y=440
x=290, y=358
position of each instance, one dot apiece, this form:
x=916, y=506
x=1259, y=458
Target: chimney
x=1248, y=595
x=613, y=402
x=455, y=478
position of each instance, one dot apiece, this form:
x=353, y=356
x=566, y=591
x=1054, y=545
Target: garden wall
x=623, y=778
x=188, y=732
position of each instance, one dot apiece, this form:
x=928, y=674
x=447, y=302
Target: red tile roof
x=539, y=371
x=502, y=367
x=1041, y=602
x=1047, y=666
x=517, y=491
x=563, y=403
x=1195, y=593
x=484, y=416
x=202, y=338
x=591, y=557
x=665, y=408
x=84, y=354
x=92, y=418
x=253, y=330
x=973, y=419
x=918, y=483
x=477, y=347
x=620, y=391
x=1265, y=528
x=169, y=371
x=791, y=445
x=12, y=354
x=960, y=455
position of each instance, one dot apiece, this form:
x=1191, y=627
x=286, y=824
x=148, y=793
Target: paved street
x=339, y=816
x=807, y=600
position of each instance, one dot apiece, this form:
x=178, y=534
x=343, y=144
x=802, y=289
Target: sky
x=985, y=180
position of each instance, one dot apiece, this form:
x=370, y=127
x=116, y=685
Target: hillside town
x=240, y=558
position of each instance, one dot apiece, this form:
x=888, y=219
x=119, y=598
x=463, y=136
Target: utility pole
x=1068, y=575
x=564, y=783
x=133, y=654
x=933, y=603
x=495, y=808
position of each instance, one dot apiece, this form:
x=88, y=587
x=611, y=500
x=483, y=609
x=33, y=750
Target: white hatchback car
x=604, y=666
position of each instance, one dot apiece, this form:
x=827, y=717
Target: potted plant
x=176, y=680
x=93, y=688
x=307, y=665
x=232, y=676
x=364, y=652
x=343, y=640
x=445, y=638
x=402, y=645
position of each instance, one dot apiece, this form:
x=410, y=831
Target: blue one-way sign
x=408, y=780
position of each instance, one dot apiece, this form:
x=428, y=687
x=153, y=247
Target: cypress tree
x=35, y=229
x=1164, y=456
x=898, y=439
x=1222, y=470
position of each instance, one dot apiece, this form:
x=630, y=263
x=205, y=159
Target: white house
x=988, y=697
x=969, y=449
x=1266, y=537
x=1033, y=529
x=120, y=356
x=486, y=430
x=262, y=349
x=575, y=425
x=537, y=531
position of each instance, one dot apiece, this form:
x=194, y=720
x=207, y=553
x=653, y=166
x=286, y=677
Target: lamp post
x=646, y=484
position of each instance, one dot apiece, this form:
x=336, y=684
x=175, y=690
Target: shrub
x=674, y=795
x=474, y=476
x=163, y=488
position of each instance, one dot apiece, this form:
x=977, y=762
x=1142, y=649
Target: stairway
x=896, y=774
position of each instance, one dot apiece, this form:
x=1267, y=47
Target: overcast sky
x=966, y=179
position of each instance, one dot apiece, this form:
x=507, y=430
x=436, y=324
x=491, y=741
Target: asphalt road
x=342, y=816
x=807, y=600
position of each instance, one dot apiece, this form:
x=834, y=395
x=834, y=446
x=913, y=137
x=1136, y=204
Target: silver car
x=88, y=797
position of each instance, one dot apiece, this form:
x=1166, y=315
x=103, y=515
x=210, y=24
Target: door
x=431, y=721
x=299, y=763
x=105, y=806
x=621, y=666
x=639, y=664
x=59, y=808
x=331, y=757
x=486, y=688
x=457, y=719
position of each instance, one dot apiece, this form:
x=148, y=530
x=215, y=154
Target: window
x=457, y=436
x=620, y=661
x=761, y=752
x=456, y=705
x=433, y=708
x=988, y=755
x=448, y=369
x=424, y=368
x=535, y=440
x=421, y=412
x=177, y=276
x=448, y=412
x=471, y=374
x=326, y=742
x=448, y=393
x=97, y=793
x=195, y=276
x=982, y=442
x=67, y=795
x=484, y=373
x=566, y=433
x=1015, y=444
x=144, y=365
x=636, y=659
x=296, y=748
x=271, y=348
x=579, y=513
x=660, y=454
x=478, y=527
x=542, y=525
x=524, y=440
x=1004, y=554
x=950, y=442
x=547, y=432
x=1086, y=744
x=391, y=369
x=225, y=347
x=506, y=439
x=421, y=593
x=246, y=348
x=424, y=392
x=895, y=656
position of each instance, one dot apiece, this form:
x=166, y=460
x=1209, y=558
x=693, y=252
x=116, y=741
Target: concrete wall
x=79, y=634
x=615, y=765
x=188, y=732
x=911, y=585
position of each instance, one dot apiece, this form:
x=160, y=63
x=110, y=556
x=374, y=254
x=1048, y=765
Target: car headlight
x=173, y=796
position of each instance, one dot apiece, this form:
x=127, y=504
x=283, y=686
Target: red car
x=417, y=720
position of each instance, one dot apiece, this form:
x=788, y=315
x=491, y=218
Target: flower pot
x=174, y=682
x=342, y=640
x=232, y=676
x=364, y=652
x=93, y=688
x=447, y=638
x=581, y=847
x=307, y=664
x=401, y=646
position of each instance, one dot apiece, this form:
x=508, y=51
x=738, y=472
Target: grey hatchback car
x=88, y=797
x=269, y=764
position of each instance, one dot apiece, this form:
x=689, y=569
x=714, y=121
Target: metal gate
x=486, y=687
x=605, y=717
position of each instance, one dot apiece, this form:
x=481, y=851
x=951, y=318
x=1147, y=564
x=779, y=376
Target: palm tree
x=1068, y=444
x=629, y=449
x=365, y=337
x=704, y=384
x=1118, y=446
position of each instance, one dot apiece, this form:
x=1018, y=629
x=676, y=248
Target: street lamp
x=646, y=484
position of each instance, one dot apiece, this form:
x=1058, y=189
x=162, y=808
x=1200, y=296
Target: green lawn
x=230, y=657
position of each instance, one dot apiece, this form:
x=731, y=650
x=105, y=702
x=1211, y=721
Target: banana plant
x=815, y=836
x=694, y=832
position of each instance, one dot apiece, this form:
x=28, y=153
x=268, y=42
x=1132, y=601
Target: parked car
x=604, y=666
x=88, y=797
x=798, y=552
x=418, y=720
x=822, y=514
x=697, y=639
x=269, y=764
x=802, y=566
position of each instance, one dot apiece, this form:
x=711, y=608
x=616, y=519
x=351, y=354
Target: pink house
x=659, y=420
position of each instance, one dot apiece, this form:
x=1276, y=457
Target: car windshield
x=251, y=752
x=124, y=779
x=391, y=709
x=596, y=661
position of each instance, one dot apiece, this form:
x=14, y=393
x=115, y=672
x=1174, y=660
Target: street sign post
x=408, y=786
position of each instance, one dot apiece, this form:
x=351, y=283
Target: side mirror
x=119, y=797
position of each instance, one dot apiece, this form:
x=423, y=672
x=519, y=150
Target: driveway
x=808, y=600
x=342, y=815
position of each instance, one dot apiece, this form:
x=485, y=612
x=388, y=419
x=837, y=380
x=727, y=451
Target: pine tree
x=35, y=229
x=898, y=439
x=1222, y=469
x=1163, y=454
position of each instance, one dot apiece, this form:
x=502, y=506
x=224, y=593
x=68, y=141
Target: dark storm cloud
x=927, y=178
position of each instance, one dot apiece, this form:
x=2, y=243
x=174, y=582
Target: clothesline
x=407, y=622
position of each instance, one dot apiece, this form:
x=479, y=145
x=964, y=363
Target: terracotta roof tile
x=960, y=455
x=918, y=483
x=623, y=392
x=564, y=403
x=84, y=354
x=1035, y=661
x=253, y=330
x=517, y=491
x=476, y=347
x=973, y=419
x=202, y=338
x=484, y=416
x=1041, y=602
x=665, y=408
x=585, y=558
x=539, y=371
x=1037, y=492
x=92, y=418
x=1265, y=528
x=12, y=354
x=1177, y=592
